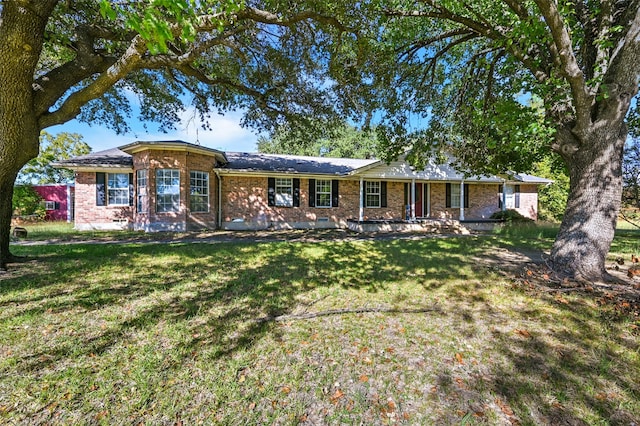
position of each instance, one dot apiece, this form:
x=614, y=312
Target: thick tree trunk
x=6, y=195
x=589, y=223
x=21, y=36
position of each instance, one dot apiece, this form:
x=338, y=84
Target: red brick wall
x=483, y=201
x=529, y=201
x=245, y=197
x=185, y=162
x=90, y=216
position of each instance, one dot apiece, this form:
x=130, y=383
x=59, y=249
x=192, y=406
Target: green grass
x=168, y=333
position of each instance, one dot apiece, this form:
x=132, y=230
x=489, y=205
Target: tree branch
x=70, y=108
x=136, y=57
x=517, y=8
x=582, y=99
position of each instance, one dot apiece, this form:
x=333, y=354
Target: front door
x=419, y=201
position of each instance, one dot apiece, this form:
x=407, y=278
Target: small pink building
x=58, y=200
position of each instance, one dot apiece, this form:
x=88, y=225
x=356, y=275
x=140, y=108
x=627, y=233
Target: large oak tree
x=501, y=83
x=90, y=59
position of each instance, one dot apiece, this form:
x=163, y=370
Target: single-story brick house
x=175, y=185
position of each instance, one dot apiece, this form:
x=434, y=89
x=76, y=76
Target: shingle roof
x=255, y=162
x=525, y=178
x=108, y=158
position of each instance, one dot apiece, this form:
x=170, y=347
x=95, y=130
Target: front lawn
x=418, y=331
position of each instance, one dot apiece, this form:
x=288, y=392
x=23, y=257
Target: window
x=50, y=205
x=118, y=189
x=167, y=190
x=284, y=192
x=199, y=190
x=511, y=196
x=372, y=194
x=323, y=193
x=455, y=195
x=142, y=203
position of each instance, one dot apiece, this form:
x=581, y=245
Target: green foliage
x=552, y=198
x=53, y=148
x=27, y=202
x=344, y=142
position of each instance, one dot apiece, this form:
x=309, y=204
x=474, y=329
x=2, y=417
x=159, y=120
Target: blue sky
x=225, y=134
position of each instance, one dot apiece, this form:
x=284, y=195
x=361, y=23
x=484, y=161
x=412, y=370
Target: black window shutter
x=517, y=196
x=312, y=192
x=448, y=195
x=335, y=196
x=364, y=193
x=271, y=191
x=130, y=189
x=425, y=197
x=466, y=195
x=406, y=194
x=100, y=190
x=56, y=206
x=383, y=194
x=296, y=192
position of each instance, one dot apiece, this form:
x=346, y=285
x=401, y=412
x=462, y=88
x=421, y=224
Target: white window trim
x=49, y=205
x=330, y=193
x=171, y=194
x=109, y=203
x=367, y=193
x=283, y=199
x=204, y=178
x=142, y=191
x=455, y=196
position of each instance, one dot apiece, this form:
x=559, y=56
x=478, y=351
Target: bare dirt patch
x=528, y=269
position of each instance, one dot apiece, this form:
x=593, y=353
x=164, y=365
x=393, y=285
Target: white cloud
x=225, y=134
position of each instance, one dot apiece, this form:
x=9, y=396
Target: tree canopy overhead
x=503, y=83
x=90, y=59
x=344, y=142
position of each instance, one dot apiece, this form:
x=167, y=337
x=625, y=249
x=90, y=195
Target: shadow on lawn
x=220, y=292
x=544, y=378
x=222, y=289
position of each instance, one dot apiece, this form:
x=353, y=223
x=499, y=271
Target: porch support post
x=413, y=199
x=462, y=200
x=361, y=213
x=69, y=206
x=219, y=191
x=504, y=195
x=428, y=199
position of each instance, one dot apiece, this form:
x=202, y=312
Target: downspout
x=68, y=203
x=361, y=213
x=428, y=199
x=462, y=200
x=219, y=216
